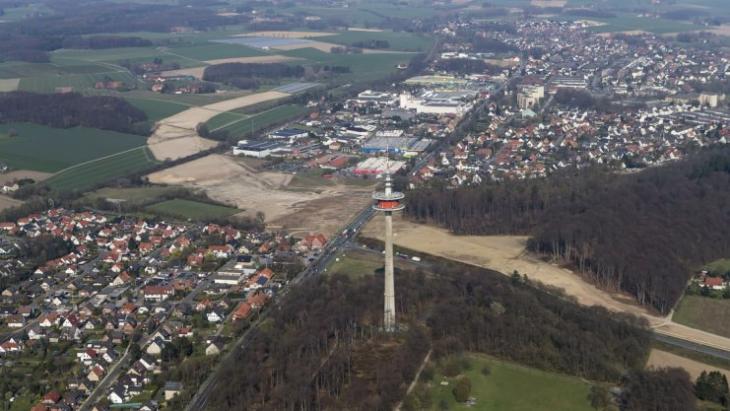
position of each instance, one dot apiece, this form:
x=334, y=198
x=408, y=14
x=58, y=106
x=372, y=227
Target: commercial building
x=376, y=166
x=530, y=96
x=289, y=134
x=439, y=102
x=257, y=149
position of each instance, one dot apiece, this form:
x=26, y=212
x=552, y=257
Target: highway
x=692, y=346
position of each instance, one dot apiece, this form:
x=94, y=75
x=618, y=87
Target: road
x=692, y=346
x=331, y=250
x=126, y=360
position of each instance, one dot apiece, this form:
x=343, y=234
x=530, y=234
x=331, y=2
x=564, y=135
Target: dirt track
x=7, y=202
x=176, y=136
x=659, y=359
x=286, y=34
x=231, y=181
x=506, y=254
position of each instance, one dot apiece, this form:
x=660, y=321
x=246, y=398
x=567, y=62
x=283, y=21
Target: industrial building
x=257, y=149
x=376, y=166
x=439, y=102
x=445, y=82
x=289, y=134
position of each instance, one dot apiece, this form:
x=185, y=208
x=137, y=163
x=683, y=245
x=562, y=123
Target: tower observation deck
x=388, y=201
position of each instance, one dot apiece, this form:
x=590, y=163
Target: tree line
x=245, y=74
x=72, y=110
x=322, y=348
x=31, y=39
x=642, y=233
x=104, y=42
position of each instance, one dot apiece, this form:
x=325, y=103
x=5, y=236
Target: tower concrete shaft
x=389, y=201
x=389, y=306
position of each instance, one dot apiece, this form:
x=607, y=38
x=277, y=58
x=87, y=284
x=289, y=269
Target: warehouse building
x=256, y=149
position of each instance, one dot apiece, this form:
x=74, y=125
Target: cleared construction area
x=176, y=136
x=299, y=210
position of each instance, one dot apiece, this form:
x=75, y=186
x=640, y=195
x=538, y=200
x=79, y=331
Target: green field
x=193, y=210
x=243, y=126
x=630, y=22
x=88, y=175
x=512, y=387
x=50, y=149
x=212, y=51
x=704, y=313
x=132, y=195
x=355, y=264
x=402, y=41
x=78, y=82
x=157, y=109
x=16, y=69
x=364, y=67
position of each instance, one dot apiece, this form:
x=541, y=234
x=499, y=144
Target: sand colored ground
x=7, y=202
x=659, y=359
x=197, y=72
x=548, y=3
x=232, y=181
x=9, y=84
x=319, y=45
x=365, y=30
x=627, y=32
x=22, y=174
x=286, y=34
x=591, y=23
x=506, y=254
x=722, y=30
x=176, y=136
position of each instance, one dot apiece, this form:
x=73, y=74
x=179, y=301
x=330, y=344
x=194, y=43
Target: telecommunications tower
x=388, y=201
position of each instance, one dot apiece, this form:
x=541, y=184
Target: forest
x=467, y=66
x=242, y=73
x=104, y=42
x=31, y=39
x=72, y=110
x=643, y=233
x=321, y=348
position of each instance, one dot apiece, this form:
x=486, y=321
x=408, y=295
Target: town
x=241, y=162
x=121, y=300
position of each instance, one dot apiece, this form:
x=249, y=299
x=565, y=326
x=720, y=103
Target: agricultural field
x=630, y=23
x=132, y=195
x=77, y=82
x=87, y=175
x=704, y=313
x=48, y=149
x=193, y=210
x=401, y=41
x=214, y=51
x=157, y=109
x=512, y=387
x=15, y=69
x=364, y=67
x=243, y=126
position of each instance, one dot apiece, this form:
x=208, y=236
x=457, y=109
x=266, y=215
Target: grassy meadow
x=512, y=387
x=48, y=149
x=704, y=313
x=88, y=175
x=193, y=210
